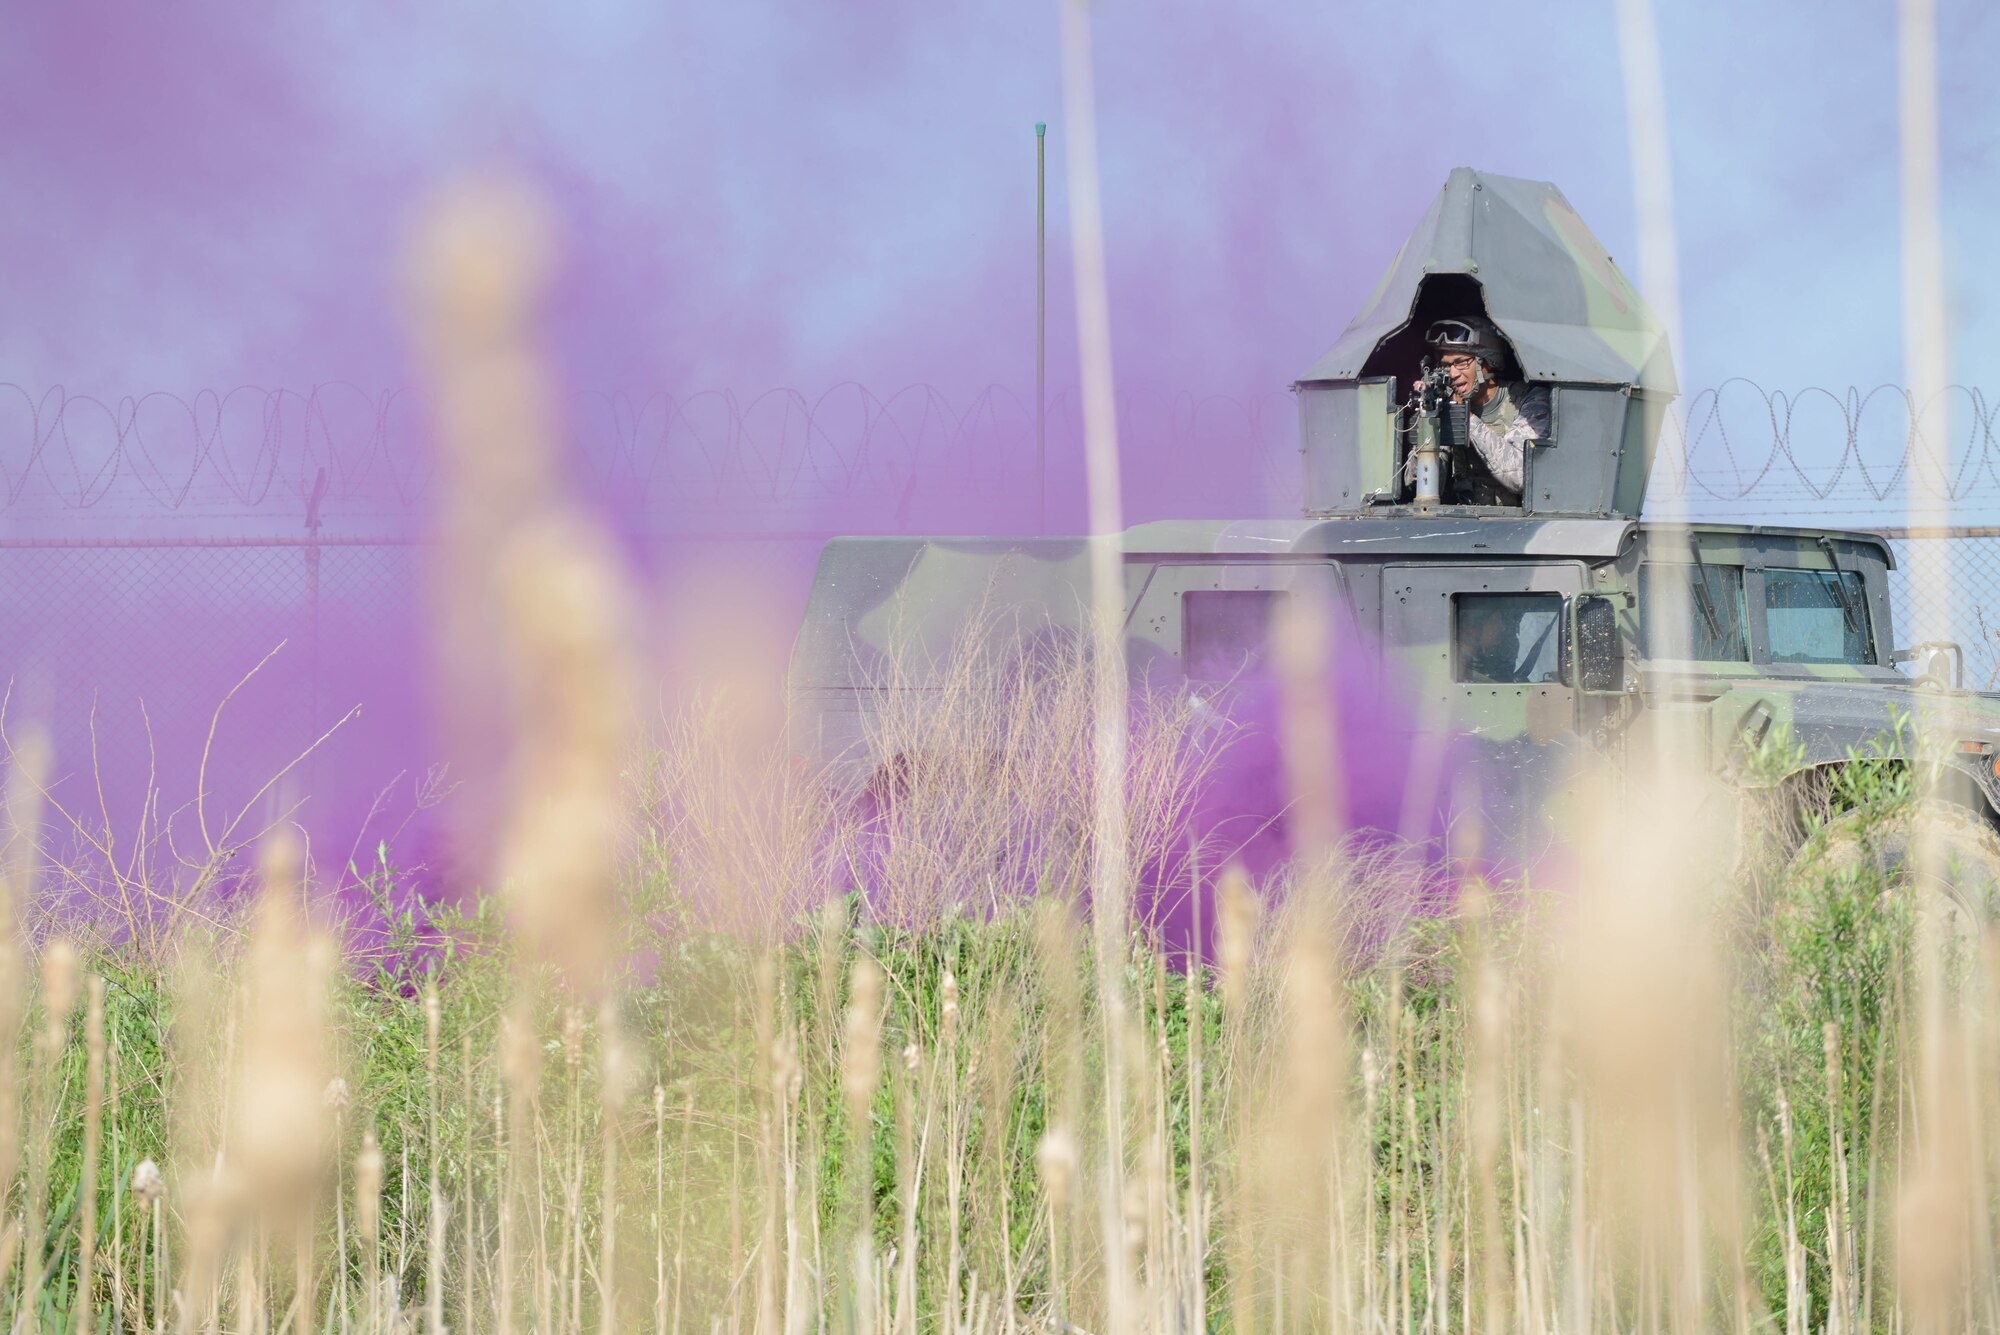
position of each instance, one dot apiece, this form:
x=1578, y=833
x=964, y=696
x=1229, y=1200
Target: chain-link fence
x=185, y=681
x=145, y=574
x=1968, y=606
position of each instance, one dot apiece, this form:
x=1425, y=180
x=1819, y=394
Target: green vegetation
x=889, y=1123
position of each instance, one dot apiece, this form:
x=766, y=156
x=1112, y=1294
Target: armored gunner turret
x=1377, y=436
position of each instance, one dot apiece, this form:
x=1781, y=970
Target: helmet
x=1472, y=335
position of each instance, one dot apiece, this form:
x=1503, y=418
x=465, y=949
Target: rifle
x=1437, y=428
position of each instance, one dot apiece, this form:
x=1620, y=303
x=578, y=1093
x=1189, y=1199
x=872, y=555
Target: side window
x=1707, y=600
x=1817, y=616
x=1505, y=637
x=1226, y=632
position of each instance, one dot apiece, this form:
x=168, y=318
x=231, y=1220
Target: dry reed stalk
x=26, y=779
x=1152, y=1227
x=1061, y=1061
x=118, y=1185
x=681, y=1212
x=93, y=1131
x=998, y=1062
x=62, y=985
x=1488, y=1026
x=769, y=1099
x=614, y=1082
x=520, y=1075
x=148, y=1190
x=787, y=1084
x=659, y=1210
x=434, y=1251
x=1056, y=1164
x=861, y=1073
x=523, y=568
x=281, y=1121
x=955, y=1147
x=1237, y=913
x=1937, y=1265
x=203, y=1040
x=369, y=1169
x=569, y=1175
x=282, y=1124
x=1195, y=1211
x=337, y=1098
x=830, y=926
x=1649, y=1028
x=1294, y=1132
x=469, y=1246
x=1926, y=334
x=1109, y=880
x=909, y=1189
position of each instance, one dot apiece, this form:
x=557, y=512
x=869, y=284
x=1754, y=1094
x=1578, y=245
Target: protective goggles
x=1454, y=335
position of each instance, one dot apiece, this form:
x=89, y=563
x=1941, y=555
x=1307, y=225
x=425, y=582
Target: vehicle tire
x=1961, y=894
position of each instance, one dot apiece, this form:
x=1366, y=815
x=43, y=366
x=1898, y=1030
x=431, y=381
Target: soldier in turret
x=1503, y=416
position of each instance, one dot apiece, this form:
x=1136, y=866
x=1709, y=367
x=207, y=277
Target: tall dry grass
x=731, y=1048
x=1617, y=1105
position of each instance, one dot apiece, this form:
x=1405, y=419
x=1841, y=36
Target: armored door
x=1480, y=647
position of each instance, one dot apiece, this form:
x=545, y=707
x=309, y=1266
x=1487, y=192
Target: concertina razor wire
x=248, y=448
x=254, y=516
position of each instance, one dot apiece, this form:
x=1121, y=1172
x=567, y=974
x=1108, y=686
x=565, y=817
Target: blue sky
x=765, y=193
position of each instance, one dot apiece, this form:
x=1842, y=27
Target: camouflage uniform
x=1500, y=431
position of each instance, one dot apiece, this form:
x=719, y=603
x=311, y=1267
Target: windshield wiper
x=1848, y=610
x=1707, y=600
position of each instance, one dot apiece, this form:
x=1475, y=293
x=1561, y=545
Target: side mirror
x=1593, y=657
x=1940, y=663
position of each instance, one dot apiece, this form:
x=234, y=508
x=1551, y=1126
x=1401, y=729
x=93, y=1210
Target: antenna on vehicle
x=1041, y=324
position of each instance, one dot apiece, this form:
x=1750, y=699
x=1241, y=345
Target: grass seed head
x=280, y=1132
x=563, y=609
x=335, y=1095
x=861, y=1050
x=1238, y=911
x=147, y=1183
x=62, y=981
x=786, y=1074
x=615, y=1059
x=520, y=1055
x=369, y=1168
x=482, y=257
x=1055, y=1160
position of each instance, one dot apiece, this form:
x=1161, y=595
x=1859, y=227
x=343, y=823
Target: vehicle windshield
x=1703, y=603
x=1817, y=616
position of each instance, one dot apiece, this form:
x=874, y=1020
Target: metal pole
x=1041, y=332
x=313, y=666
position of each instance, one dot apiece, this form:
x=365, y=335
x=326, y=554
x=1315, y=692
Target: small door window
x=1226, y=632
x=1817, y=616
x=1505, y=637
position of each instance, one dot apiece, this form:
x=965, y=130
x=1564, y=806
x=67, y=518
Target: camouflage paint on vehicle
x=1407, y=589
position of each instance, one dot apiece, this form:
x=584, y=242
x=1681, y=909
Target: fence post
x=312, y=625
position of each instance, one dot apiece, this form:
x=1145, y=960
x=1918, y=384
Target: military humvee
x=1536, y=634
